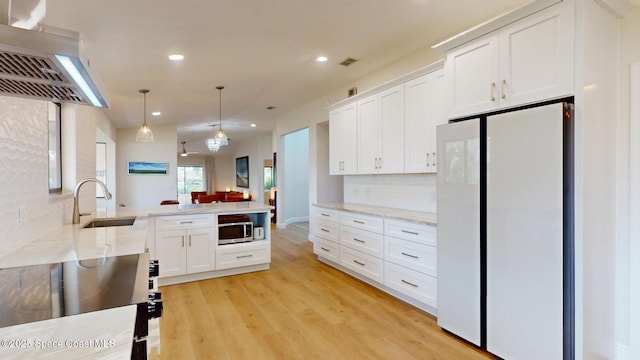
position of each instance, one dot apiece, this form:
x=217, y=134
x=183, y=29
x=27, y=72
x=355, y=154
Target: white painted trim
x=617, y=8
x=494, y=24
x=634, y=226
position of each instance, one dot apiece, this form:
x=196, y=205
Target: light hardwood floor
x=298, y=309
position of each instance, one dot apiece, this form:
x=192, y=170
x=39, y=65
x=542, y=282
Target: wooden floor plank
x=298, y=309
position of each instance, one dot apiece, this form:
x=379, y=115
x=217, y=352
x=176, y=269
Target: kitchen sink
x=113, y=221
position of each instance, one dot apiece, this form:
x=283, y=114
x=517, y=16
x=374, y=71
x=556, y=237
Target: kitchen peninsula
x=60, y=336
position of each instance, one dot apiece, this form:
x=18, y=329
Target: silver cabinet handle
x=186, y=222
x=189, y=240
x=503, y=84
x=410, y=232
x=428, y=160
x=434, y=159
x=358, y=262
x=244, y=256
x=358, y=240
x=359, y=222
x=323, y=214
x=182, y=240
x=409, y=255
x=408, y=283
x=325, y=249
x=325, y=230
x=493, y=86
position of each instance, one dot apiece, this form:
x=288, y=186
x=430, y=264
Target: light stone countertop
x=106, y=334
x=401, y=214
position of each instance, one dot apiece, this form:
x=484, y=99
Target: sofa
x=219, y=196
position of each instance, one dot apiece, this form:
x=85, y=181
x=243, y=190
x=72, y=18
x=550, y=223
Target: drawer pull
x=323, y=214
x=186, y=222
x=244, y=256
x=189, y=240
x=359, y=222
x=408, y=283
x=182, y=240
x=325, y=230
x=409, y=255
x=358, y=240
x=410, y=232
x=325, y=249
x=358, y=262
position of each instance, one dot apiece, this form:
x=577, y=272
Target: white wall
x=411, y=191
x=147, y=190
x=258, y=149
x=293, y=183
x=327, y=188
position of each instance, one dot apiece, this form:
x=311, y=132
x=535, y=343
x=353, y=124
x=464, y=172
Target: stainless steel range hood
x=48, y=64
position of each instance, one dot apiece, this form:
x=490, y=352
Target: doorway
x=293, y=180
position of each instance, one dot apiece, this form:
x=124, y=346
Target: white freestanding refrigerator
x=505, y=232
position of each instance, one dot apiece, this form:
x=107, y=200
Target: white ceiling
x=263, y=52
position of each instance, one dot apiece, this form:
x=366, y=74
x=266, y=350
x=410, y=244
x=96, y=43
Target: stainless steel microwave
x=237, y=232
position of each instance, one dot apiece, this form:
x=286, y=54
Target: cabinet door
x=368, y=134
x=472, y=75
x=343, y=141
x=391, y=137
x=171, y=253
x=424, y=110
x=536, y=54
x=200, y=250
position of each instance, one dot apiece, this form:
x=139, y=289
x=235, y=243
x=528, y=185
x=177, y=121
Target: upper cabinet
x=423, y=111
x=526, y=61
x=389, y=129
x=381, y=132
x=343, y=125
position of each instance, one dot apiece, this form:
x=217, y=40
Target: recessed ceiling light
x=176, y=57
x=253, y=125
x=156, y=113
x=321, y=59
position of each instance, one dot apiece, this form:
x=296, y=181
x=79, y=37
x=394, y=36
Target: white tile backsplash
x=25, y=209
x=407, y=191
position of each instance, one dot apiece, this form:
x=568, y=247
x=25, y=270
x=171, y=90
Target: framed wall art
x=242, y=172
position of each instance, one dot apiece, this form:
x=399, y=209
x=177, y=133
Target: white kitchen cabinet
x=343, y=148
x=244, y=254
x=185, y=244
x=324, y=228
x=424, y=111
x=381, y=132
x=527, y=61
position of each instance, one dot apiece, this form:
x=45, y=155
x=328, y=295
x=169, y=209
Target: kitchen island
x=105, y=334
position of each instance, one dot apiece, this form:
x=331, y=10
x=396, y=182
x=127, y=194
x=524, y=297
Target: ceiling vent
x=348, y=61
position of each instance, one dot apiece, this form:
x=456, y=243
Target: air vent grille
x=31, y=67
x=348, y=61
x=35, y=77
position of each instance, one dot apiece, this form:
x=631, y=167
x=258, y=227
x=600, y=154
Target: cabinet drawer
x=238, y=255
x=361, y=240
x=411, y=283
x=184, y=222
x=327, y=249
x=415, y=256
x=363, y=264
x=325, y=215
x=327, y=231
x=421, y=233
x=364, y=222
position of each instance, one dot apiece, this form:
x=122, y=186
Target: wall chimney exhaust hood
x=48, y=64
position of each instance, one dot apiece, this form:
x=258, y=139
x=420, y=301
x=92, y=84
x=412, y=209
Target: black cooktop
x=41, y=292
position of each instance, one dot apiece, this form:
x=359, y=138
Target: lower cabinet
x=394, y=255
x=238, y=255
x=184, y=250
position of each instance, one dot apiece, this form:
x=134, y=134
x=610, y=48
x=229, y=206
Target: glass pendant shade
x=144, y=133
x=220, y=139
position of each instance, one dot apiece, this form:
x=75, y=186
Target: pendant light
x=144, y=133
x=220, y=139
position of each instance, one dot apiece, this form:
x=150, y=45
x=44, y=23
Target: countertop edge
x=419, y=217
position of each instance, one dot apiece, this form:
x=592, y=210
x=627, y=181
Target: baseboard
x=296, y=220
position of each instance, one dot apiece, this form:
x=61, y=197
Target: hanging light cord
x=220, y=87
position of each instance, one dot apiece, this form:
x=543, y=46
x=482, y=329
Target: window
x=190, y=179
x=55, y=148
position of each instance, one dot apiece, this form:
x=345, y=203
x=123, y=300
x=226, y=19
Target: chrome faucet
x=76, y=209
